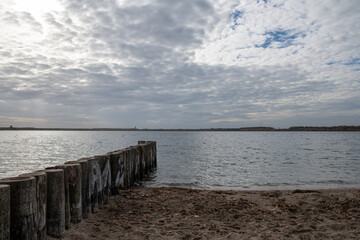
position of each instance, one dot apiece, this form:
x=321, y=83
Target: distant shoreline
x=269, y=129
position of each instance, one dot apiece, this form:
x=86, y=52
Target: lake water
x=207, y=160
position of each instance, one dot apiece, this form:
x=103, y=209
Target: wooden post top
x=16, y=179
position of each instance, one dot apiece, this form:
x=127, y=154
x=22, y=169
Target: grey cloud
x=162, y=22
x=105, y=65
x=27, y=17
x=27, y=94
x=11, y=18
x=21, y=18
x=185, y=84
x=11, y=70
x=5, y=54
x=98, y=67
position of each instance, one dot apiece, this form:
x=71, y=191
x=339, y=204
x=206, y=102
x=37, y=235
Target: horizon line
x=259, y=128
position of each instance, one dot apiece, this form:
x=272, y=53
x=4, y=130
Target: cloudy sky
x=179, y=64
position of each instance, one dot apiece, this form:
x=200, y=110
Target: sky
x=179, y=64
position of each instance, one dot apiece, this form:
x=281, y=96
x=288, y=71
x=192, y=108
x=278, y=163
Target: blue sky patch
x=285, y=38
x=235, y=16
x=277, y=5
x=354, y=61
x=331, y=63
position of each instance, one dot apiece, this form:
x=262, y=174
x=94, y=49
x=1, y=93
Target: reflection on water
x=210, y=160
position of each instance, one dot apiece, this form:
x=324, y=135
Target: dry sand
x=176, y=213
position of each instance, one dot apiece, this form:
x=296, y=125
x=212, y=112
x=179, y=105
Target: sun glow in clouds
x=38, y=7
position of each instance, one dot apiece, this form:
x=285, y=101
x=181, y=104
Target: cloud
x=193, y=63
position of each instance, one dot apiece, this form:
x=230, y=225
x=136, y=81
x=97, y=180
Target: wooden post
x=94, y=182
x=148, y=156
x=154, y=151
x=105, y=178
x=126, y=172
x=106, y=173
x=136, y=166
x=131, y=165
x=151, y=155
x=55, y=212
x=67, y=196
x=41, y=199
x=132, y=168
x=74, y=181
x=142, y=160
x=85, y=186
x=23, y=207
x=117, y=171
x=128, y=168
x=122, y=169
x=148, y=160
x=5, y=212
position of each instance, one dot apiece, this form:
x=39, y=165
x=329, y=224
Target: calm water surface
x=209, y=160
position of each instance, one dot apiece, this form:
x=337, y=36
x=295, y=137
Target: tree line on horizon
x=294, y=128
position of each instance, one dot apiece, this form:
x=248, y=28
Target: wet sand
x=176, y=213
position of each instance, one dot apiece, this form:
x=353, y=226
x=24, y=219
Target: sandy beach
x=176, y=213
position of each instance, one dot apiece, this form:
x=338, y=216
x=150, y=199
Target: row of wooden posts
x=46, y=202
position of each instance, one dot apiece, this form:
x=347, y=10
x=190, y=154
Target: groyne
x=47, y=202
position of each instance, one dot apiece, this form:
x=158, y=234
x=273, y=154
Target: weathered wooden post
x=114, y=167
x=105, y=177
x=136, y=165
x=94, y=182
x=128, y=168
x=23, y=207
x=142, y=160
x=132, y=168
x=74, y=181
x=154, y=154
x=148, y=159
x=4, y=212
x=122, y=182
x=131, y=165
x=55, y=211
x=151, y=155
x=117, y=174
x=67, y=196
x=85, y=187
x=41, y=199
x=106, y=173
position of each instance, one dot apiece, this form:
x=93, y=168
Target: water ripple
x=209, y=160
